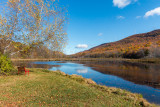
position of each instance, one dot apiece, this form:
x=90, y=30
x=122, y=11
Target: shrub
x=6, y=67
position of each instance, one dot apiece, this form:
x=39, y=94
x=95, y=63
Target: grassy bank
x=45, y=88
x=143, y=60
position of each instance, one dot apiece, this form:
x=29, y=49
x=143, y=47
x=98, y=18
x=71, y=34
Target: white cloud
x=123, y=3
x=120, y=17
x=82, y=46
x=153, y=12
x=100, y=34
x=138, y=17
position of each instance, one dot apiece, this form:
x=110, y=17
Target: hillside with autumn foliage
x=135, y=46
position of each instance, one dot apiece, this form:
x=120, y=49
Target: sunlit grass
x=47, y=88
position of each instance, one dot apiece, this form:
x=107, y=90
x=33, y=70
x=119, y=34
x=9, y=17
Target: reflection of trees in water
x=57, y=67
x=148, y=74
x=31, y=65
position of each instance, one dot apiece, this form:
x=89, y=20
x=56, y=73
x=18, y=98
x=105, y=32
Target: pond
x=134, y=77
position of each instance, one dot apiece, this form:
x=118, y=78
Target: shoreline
x=144, y=60
x=40, y=75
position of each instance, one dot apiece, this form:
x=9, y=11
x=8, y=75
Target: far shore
x=144, y=60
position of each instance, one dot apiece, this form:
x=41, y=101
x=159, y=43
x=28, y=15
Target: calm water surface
x=134, y=77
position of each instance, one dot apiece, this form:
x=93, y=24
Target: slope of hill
x=135, y=46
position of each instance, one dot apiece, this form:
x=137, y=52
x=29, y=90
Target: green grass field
x=47, y=88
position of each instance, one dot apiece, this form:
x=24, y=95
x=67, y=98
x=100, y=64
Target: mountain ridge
x=134, y=43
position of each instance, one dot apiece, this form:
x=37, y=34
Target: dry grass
x=144, y=60
x=47, y=88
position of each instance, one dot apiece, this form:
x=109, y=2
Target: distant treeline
x=135, y=46
x=19, y=50
x=38, y=52
x=152, y=52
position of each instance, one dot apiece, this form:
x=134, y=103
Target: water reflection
x=30, y=64
x=145, y=74
x=135, y=77
x=82, y=70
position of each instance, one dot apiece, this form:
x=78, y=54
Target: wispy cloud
x=138, y=17
x=82, y=46
x=123, y=3
x=153, y=12
x=100, y=34
x=120, y=17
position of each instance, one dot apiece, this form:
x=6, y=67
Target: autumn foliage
x=135, y=46
x=30, y=24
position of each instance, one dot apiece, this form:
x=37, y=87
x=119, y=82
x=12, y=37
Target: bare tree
x=154, y=51
x=32, y=23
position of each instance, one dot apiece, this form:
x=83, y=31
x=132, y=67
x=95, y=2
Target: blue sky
x=93, y=22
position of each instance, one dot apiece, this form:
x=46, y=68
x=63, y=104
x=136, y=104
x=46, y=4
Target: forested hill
x=135, y=46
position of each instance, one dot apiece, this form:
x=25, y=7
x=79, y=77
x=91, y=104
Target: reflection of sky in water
x=151, y=94
x=82, y=70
